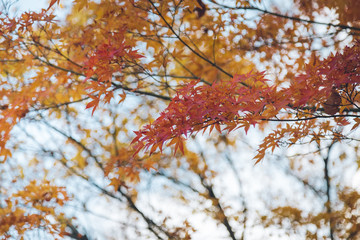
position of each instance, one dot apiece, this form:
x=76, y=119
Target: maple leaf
x=331, y=106
x=52, y=2
x=122, y=97
x=357, y=120
x=93, y=104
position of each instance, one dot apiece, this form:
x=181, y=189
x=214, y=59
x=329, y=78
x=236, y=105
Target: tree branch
x=75, y=234
x=243, y=202
x=223, y=218
x=151, y=223
x=287, y=17
x=87, y=150
x=328, y=188
x=185, y=44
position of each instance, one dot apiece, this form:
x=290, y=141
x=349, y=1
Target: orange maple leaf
x=52, y=3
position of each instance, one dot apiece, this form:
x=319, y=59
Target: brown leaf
x=331, y=106
x=52, y=3
x=200, y=11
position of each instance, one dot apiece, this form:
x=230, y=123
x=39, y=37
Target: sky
x=33, y=5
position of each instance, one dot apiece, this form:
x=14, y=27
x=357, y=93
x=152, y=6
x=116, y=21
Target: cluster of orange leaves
x=119, y=169
x=19, y=96
x=16, y=100
x=240, y=102
x=41, y=198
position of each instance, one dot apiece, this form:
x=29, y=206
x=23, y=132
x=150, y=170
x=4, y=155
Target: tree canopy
x=132, y=118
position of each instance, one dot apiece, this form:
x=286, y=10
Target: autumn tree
x=178, y=119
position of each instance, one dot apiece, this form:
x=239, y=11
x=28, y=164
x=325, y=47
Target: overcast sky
x=26, y=5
